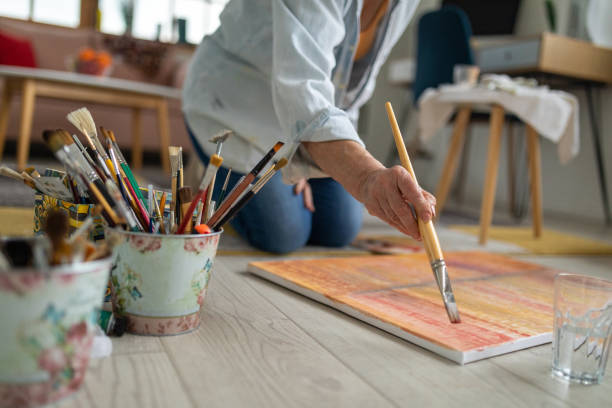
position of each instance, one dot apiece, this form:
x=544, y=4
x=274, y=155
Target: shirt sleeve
x=305, y=34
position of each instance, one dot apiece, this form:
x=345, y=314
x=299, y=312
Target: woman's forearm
x=345, y=161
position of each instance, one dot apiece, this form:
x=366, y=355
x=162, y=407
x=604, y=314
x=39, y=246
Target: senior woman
x=298, y=71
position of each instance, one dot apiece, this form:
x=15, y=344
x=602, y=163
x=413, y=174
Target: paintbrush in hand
x=427, y=230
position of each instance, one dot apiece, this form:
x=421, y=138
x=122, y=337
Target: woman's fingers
x=302, y=186
x=308, y=201
x=411, y=192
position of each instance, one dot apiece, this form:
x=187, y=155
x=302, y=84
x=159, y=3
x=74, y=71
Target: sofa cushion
x=53, y=45
x=16, y=51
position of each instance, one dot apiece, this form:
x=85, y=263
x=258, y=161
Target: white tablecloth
x=553, y=114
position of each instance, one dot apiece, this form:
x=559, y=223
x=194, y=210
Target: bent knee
x=279, y=237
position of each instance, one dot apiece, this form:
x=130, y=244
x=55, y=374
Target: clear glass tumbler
x=582, y=328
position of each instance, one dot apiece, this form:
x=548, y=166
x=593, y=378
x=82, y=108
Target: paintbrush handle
x=231, y=198
x=211, y=188
x=233, y=211
x=427, y=230
x=141, y=210
x=189, y=213
x=132, y=180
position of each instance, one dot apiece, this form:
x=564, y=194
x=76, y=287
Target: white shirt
x=281, y=70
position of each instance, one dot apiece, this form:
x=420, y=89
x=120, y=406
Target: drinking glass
x=582, y=328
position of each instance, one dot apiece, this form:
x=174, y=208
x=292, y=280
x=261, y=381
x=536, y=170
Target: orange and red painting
x=505, y=304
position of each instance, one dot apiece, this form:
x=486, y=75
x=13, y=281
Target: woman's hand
x=303, y=186
x=387, y=194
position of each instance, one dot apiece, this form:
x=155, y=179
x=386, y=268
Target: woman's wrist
x=346, y=162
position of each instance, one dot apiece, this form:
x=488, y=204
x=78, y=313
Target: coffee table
x=34, y=82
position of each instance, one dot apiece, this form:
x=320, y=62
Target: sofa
x=54, y=47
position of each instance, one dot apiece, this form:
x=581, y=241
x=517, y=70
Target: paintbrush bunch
x=99, y=174
x=199, y=206
x=55, y=247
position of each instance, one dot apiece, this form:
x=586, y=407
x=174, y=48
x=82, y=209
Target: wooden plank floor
x=260, y=345
x=263, y=346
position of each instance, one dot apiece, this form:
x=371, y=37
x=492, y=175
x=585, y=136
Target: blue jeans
x=275, y=220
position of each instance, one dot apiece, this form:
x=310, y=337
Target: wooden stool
x=488, y=195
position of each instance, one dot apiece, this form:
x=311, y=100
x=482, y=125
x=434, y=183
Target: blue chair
x=443, y=41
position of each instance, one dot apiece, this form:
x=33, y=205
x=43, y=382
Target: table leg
x=28, y=96
x=136, y=139
x=5, y=109
x=488, y=195
x=603, y=186
x=164, y=134
x=535, y=176
x=450, y=164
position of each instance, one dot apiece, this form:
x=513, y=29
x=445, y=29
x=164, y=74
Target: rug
x=550, y=243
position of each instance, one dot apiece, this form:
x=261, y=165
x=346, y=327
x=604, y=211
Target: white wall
x=570, y=190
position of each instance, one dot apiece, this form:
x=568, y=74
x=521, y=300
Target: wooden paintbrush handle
x=427, y=230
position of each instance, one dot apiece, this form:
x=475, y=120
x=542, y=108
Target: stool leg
x=28, y=96
x=450, y=164
x=488, y=194
x=164, y=134
x=4, y=113
x=535, y=176
x=511, y=169
x=136, y=139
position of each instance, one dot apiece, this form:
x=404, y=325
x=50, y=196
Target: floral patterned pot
x=47, y=330
x=159, y=281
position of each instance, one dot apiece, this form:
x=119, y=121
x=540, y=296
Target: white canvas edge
x=461, y=357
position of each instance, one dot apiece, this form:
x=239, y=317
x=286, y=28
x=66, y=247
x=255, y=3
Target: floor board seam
x=535, y=385
x=340, y=360
x=178, y=374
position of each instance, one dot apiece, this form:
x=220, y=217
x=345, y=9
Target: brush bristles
x=281, y=163
x=53, y=139
x=5, y=171
x=66, y=136
x=453, y=312
x=277, y=146
x=221, y=136
x=173, y=152
x=104, y=133
x=82, y=120
x=215, y=160
x=184, y=194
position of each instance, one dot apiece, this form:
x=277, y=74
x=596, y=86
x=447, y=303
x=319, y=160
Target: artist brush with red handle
x=242, y=186
x=427, y=230
x=211, y=171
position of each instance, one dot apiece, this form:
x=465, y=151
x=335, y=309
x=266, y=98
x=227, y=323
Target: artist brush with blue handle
x=427, y=230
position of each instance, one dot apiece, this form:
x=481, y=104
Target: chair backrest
x=443, y=40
